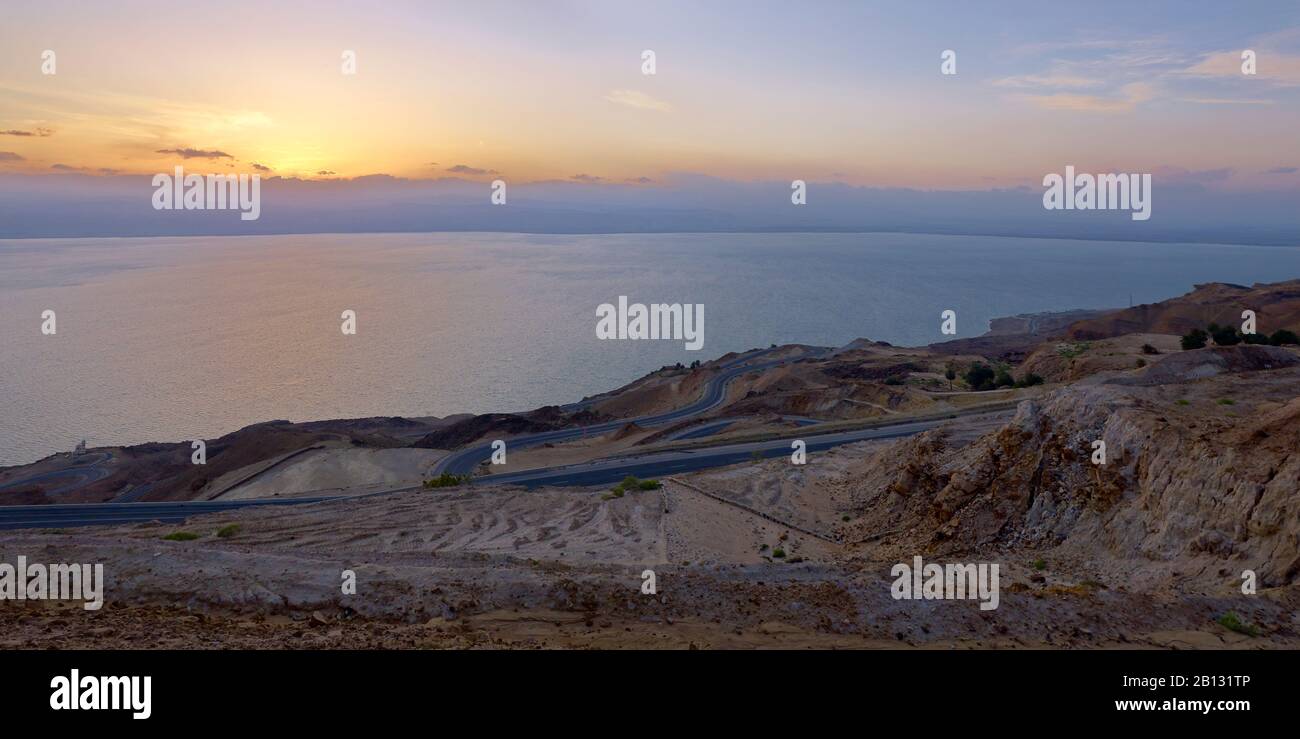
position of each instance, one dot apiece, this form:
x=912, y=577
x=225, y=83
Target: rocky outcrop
x=1202, y=363
x=1206, y=471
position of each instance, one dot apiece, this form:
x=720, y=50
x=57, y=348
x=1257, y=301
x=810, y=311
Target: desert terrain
x=1199, y=486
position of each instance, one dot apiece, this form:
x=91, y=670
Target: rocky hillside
x=164, y=471
x=1202, y=473
x=1276, y=306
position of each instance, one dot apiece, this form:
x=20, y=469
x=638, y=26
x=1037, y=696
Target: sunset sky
x=744, y=91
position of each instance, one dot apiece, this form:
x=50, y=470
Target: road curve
x=463, y=461
x=657, y=464
x=598, y=472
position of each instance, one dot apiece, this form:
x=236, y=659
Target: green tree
x=1195, y=339
x=1225, y=335
x=1004, y=378
x=979, y=377
x=1283, y=336
x=1029, y=380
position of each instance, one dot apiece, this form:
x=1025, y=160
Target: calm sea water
x=167, y=339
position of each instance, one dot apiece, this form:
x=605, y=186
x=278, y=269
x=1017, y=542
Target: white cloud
x=1047, y=80
x=635, y=99
x=1129, y=97
x=1275, y=67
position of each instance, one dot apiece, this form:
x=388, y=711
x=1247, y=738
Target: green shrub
x=1232, y=622
x=1226, y=401
x=1194, y=339
x=1283, y=336
x=181, y=536
x=446, y=480
x=1039, y=564
x=1182, y=401
x=1070, y=351
x=1004, y=378
x=227, y=531
x=1255, y=339
x=979, y=377
x=893, y=380
x=632, y=483
x=1029, y=380
x=778, y=553
x=1148, y=349
x=1225, y=335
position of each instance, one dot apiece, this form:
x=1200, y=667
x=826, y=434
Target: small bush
x=778, y=553
x=1232, y=622
x=1070, y=351
x=1004, y=378
x=1039, y=564
x=446, y=480
x=225, y=532
x=893, y=380
x=1029, y=380
x=632, y=483
x=1226, y=401
x=1182, y=401
x=1225, y=336
x=1194, y=340
x=1259, y=339
x=979, y=377
x=1148, y=349
x=1141, y=362
x=181, y=536
x=1283, y=336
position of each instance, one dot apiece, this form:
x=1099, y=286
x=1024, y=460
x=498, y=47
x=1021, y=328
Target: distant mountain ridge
x=1276, y=306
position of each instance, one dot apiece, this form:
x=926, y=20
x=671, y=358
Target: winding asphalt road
x=603, y=471
x=718, y=425
x=463, y=461
x=88, y=468
x=597, y=472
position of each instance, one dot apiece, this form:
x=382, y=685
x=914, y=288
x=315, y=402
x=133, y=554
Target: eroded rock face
x=1200, y=364
x=1202, y=470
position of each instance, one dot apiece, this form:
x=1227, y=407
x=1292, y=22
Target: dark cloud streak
x=190, y=153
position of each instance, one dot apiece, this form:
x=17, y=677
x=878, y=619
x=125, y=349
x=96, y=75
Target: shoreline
x=1291, y=243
